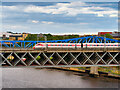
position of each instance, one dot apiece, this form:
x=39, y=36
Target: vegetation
x=107, y=36
x=112, y=70
x=33, y=37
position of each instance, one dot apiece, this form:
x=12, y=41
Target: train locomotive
x=76, y=45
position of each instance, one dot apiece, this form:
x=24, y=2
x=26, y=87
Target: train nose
x=33, y=47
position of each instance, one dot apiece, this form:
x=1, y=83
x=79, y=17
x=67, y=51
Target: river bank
x=103, y=71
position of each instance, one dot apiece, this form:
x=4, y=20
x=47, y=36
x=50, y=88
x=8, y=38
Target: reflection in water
x=52, y=78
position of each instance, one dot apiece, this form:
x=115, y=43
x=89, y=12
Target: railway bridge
x=18, y=55
x=59, y=57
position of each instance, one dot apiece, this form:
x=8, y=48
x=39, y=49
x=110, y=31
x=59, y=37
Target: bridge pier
x=94, y=71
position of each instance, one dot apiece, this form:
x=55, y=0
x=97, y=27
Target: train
x=76, y=45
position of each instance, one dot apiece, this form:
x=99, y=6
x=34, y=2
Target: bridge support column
x=94, y=71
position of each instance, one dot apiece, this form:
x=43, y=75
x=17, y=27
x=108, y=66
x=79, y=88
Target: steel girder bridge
x=59, y=58
x=28, y=44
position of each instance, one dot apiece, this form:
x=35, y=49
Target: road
x=52, y=78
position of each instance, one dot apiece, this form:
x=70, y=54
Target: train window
x=38, y=44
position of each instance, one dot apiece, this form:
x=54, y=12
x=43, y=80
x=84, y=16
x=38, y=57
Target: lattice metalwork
x=59, y=59
x=28, y=44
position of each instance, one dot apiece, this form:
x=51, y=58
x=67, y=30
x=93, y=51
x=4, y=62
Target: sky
x=59, y=0
x=59, y=17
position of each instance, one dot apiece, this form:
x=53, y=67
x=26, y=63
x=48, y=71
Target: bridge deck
x=60, y=50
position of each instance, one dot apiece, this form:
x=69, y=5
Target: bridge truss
x=59, y=59
x=28, y=44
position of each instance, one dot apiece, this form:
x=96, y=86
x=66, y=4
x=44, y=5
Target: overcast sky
x=59, y=17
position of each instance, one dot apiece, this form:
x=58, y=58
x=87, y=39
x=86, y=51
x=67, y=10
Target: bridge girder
x=59, y=59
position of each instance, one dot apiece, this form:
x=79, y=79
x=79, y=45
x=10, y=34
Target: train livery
x=75, y=45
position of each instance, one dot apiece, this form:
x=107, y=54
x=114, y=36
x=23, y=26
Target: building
x=103, y=33
x=18, y=36
x=116, y=35
x=4, y=35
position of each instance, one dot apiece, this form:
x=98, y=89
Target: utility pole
x=37, y=37
x=45, y=38
x=104, y=41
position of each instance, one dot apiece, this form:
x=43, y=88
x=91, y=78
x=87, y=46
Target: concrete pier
x=94, y=71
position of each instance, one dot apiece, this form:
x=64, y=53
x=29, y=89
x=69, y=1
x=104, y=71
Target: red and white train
x=75, y=45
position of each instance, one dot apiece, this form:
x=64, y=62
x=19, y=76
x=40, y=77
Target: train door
x=81, y=45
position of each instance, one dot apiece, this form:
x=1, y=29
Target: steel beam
x=59, y=59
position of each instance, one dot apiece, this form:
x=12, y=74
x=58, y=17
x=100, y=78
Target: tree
x=107, y=36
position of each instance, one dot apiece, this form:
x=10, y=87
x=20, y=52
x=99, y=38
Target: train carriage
x=76, y=45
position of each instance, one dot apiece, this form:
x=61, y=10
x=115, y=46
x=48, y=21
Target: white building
x=4, y=35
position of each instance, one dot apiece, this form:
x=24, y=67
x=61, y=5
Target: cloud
x=72, y=9
x=9, y=7
x=68, y=9
x=9, y=27
x=100, y=15
x=84, y=23
x=113, y=15
x=35, y=21
x=45, y=22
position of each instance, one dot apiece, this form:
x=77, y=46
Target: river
x=52, y=78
